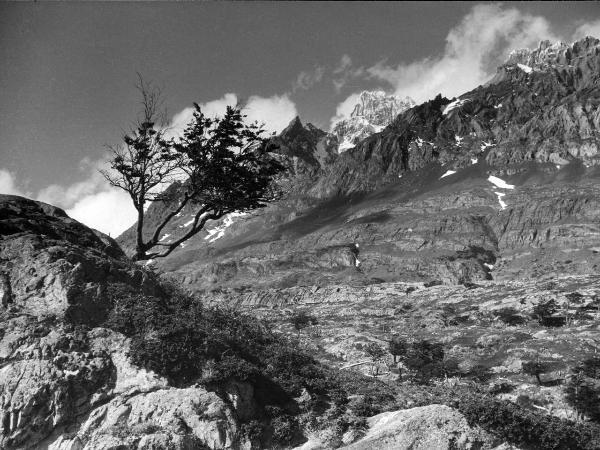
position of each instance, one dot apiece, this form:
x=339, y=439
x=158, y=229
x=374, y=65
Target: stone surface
x=430, y=427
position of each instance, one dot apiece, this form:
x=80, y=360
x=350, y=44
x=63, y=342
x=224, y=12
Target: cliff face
x=373, y=112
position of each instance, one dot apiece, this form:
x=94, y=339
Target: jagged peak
x=373, y=111
x=548, y=54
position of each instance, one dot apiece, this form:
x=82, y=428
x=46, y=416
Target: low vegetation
x=176, y=336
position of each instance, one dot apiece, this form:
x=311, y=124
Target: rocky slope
x=67, y=383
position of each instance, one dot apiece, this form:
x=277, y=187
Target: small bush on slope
x=177, y=337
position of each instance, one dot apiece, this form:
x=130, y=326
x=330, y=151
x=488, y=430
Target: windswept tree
x=222, y=164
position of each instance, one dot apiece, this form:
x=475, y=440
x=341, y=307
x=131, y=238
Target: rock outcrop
x=64, y=384
x=430, y=427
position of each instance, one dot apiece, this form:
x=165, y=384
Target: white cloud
x=109, y=211
x=66, y=197
x=345, y=71
x=345, y=108
x=93, y=201
x=473, y=50
x=8, y=184
x=307, y=79
x=275, y=112
x=210, y=109
x=588, y=29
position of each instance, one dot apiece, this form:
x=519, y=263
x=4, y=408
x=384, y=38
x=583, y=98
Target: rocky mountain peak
x=579, y=59
x=374, y=111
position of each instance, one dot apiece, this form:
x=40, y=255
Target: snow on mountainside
x=374, y=111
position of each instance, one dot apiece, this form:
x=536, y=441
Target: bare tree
x=222, y=164
x=143, y=164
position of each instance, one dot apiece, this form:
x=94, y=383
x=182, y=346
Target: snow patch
x=453, y=105
x=485, y=145
x=164, y=237
x=502, y=202
x=499, y=105
x=150, y=261
x=474, y=160
x=219, y=232
x=187, y=224
x=489, y=266
x=357, y=262
x=419, y=142
x=525, y=68
x=448, y=173
x=558, y=167
x=500, y=182
x=458, y=140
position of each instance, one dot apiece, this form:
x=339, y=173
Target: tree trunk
x=140, y=248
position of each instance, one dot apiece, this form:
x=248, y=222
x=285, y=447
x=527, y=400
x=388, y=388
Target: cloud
x=66, y=197
x=474, y=48
x=472, y=53
x=345, y=108
x=344, y=72
x=588, y=29
x=93, y=201
x=275, y=112
x=8, y=184
x=307, y=79
x=109, y=211
x=210, y=109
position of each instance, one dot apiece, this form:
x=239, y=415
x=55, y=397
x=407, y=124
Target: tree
x=221, y=163
x=377, y=354
x=302, y=320
x=535, y=368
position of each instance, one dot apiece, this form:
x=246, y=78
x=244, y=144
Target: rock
x=51, y=264
x=373, y=112
x=164, y=418
x=429, y=427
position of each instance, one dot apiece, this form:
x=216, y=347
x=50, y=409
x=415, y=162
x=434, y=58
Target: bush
x=302, y=320
x=582, y=391
x=509, y=316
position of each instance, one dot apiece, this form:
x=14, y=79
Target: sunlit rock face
x=374, y=111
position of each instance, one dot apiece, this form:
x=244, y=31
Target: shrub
x=535, y=368
x=582, y=391
x=302, y=320
x=509, y=316
x=175, y=336
x=528, y=429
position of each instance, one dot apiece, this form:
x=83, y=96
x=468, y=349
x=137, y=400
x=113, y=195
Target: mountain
x=497, y=183
x=374, y=111
x=434, y=286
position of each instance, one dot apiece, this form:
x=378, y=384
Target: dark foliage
x=302, y=320
x=527, y=429
x=509, y=316
x=582, y=390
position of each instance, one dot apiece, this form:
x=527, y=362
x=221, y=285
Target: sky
x=68, y=72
